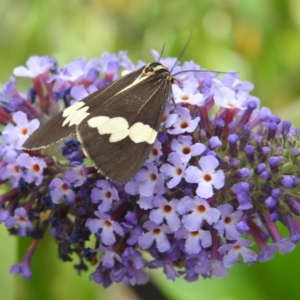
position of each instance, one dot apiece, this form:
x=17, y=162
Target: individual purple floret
x=206, y=177
x=19, y=219
x=60, y=189
x=16, y=135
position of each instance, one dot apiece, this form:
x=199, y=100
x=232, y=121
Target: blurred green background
x=259, y=39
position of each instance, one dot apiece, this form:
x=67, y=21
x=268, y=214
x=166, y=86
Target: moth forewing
x=48, y=133
x=119, y=135
x=118, y=125
x=64, y=124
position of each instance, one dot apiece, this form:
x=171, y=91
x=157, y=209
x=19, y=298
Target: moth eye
x=149, y=69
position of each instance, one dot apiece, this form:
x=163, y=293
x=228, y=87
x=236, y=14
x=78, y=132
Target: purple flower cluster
x=222, y=176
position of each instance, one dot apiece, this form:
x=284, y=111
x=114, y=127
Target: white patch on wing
x=73, y=108
x=137, y=80
x=75, y=114
x=113, y=125
x=118, y=136
x=140, y=132
x=118, y=128
x=97, y=121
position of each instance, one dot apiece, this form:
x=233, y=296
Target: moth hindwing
x=117, y=125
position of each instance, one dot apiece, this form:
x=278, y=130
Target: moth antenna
x=202, y=71
x=181, y=52
x=161, y=52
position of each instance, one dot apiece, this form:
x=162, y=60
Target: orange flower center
x=156, y=231
x=184, y=125
x=153, y=177
x=207, y=177
x=24, y=130
x=167, y=208
x=227, y=220
x=201, y=208
x=107, y=223
x=186, y=150
x=108, y=194
x=36, y=168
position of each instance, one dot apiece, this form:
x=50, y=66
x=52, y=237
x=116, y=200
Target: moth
x=116, y=125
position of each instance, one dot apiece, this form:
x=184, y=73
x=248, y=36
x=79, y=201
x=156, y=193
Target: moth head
x=158, y=70
x=154, y=68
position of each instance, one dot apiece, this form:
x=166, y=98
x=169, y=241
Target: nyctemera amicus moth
x=117, y=125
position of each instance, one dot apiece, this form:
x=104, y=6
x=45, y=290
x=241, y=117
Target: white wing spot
x=73, y=108
x=118, y=136
x=118, y=128
x=137, y=80
x=75, y=114
x=113, y=125
x=140, y=132
x=106, y=125
x=97, y=121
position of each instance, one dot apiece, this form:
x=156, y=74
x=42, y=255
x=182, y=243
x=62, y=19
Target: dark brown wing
x=144, y=103
x=53, y=130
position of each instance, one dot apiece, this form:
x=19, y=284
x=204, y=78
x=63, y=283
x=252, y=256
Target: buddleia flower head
x=220, y=181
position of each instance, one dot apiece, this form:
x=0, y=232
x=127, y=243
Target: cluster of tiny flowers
x=221, y=179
